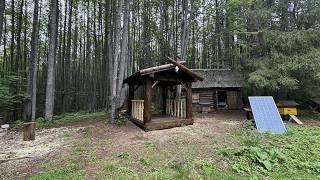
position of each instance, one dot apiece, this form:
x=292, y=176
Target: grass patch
x=71, y=172
x=124, y=155
x=59, y=120
x=308, y=114
x=295, y=154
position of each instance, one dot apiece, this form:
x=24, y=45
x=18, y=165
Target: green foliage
x=67, y=118
x=124, y=155
x=309, y=114
x=122, y=120
x=71, y=172
x=59, y=120
x=257, y=159
x=144, y=162
x=10, y=93
x=290, y=64
x=293, y=155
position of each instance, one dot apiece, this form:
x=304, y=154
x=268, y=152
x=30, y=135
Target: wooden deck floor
x=159, y=122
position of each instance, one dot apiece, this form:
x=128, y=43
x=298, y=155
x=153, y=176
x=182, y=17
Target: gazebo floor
x=159, y=122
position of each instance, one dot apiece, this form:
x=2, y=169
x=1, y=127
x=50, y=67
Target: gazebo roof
x=167, y=74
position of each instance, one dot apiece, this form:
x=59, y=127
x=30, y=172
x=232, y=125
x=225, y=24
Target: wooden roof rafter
x=185, y=69
x=159, y=68
x=165, y=73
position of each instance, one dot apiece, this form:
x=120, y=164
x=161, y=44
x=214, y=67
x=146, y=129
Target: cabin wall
x=208, y=100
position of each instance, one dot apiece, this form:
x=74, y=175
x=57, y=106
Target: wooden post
x=29, y=131
x=188, y=101
x=130, y=98
x=147, y=100
x=164, y=99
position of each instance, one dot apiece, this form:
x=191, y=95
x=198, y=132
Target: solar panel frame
x=266, y=115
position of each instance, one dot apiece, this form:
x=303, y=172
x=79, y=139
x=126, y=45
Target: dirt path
x=93, y=137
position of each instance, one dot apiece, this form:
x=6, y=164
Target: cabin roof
x=287, y=103
x=316, y=100
x=167, y=73
x=218, y=78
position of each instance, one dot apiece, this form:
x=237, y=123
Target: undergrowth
x=60, y=120
x=309, y=114
x=71, y=172
x=295, y=154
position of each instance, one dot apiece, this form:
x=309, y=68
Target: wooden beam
x=188, y=101
x=154, y=84
x=130, y=97
x=147, y=101
x=293, y=117
x=164, y=99
x=159, y=68
x=185, y=69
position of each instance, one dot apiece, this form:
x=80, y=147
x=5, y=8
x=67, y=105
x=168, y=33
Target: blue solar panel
x=266, y=115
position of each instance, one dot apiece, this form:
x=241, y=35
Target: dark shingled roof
x=287, y=103
x=316, y=100
x=218, y=78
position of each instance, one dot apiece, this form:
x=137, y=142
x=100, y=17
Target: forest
x=62, y=56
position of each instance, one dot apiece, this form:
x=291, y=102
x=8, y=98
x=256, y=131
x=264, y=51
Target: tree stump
x=2, y=119
x=29, y=131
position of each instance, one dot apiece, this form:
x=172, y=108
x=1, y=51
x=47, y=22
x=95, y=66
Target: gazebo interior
x=160, y=83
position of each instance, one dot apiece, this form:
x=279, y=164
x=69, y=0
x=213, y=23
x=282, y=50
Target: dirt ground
x=54, y=147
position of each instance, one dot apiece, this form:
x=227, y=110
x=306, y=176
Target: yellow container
x=287, y=107
x=288, y=110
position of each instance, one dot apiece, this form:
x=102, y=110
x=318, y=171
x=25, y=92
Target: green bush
x=296, y=153
x=12, y=92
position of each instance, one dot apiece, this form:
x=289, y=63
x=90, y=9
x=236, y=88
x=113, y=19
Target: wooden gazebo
x=175, y=112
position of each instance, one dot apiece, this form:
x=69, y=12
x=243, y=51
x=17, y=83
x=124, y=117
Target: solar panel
x=266, y=115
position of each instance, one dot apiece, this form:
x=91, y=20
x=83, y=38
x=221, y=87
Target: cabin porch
x=174, y=115
x=162, y=122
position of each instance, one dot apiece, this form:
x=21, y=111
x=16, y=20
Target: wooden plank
x=293, y=117
x=159, y=68
x=138, y=122
x=147, y=100
x=232, y=99
x=170, y=123
x=188, y=101
x=130, y=97
x=164, y=99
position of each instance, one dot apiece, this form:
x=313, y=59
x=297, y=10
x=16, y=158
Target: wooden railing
x=137, y=109
x=176, y=108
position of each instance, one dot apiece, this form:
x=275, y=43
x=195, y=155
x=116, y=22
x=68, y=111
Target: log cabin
x=174, y=112
x=220, y=89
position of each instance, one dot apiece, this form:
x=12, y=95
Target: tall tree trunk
x=123, y=55
x=53, y=32
x=117, y=21
x=12, y=46
x=63, y=60
x=18, y=59
x=107, y=50
x=88, y=59
x=2, y=7
x=67, y=60
x=185, y=32
x=184, y=37
x=34, y=58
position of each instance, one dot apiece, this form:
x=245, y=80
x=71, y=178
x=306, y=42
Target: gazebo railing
x=137, y=109
x=176, y=108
